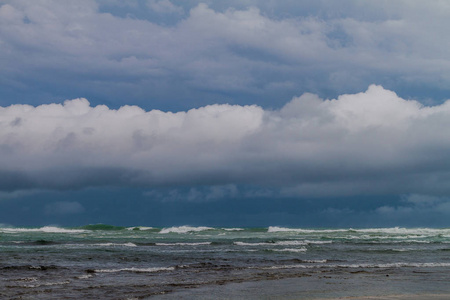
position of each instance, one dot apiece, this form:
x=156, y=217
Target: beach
x=323, y=287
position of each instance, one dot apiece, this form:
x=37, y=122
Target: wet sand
x=351, y=286
x=405, y=297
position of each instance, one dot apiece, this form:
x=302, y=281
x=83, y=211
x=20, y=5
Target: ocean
x=109, y=262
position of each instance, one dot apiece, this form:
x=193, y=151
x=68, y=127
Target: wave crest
x=185, y=229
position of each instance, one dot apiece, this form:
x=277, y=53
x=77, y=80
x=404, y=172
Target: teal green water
x=111, y=262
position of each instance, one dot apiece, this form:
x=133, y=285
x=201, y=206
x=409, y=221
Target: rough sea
x=109, y=262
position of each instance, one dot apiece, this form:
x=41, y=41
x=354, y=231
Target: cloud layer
x=243, y=52
x=367, y=143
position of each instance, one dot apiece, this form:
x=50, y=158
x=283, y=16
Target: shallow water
x=108, y=262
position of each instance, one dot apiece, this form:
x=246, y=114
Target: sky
x=225, y=113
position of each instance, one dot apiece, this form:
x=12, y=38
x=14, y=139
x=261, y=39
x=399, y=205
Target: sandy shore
x=323, y=287
x=402, y=297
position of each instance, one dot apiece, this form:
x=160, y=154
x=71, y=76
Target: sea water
x=109, y=262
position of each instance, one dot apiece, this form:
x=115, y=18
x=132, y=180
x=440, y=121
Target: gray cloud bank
x=233, y=52
x=367, y=143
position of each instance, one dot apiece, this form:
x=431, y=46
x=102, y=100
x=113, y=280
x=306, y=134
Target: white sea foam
x=284, y=229
x=233, y=229
x=405, y=232
x=52, y=229
x=184, y=229
x=291, y=243
x=295, y=250
x=116, y=245
x=284, y=243
x=183, y=244
x=136, y=270
x=140, y=228
x=298, y=266
x=415, y=241
x=401, y=241
x=251, y=244
x=383, y=237
x=49, y=229
x=318, y=242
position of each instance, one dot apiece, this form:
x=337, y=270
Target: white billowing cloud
x=371, y=142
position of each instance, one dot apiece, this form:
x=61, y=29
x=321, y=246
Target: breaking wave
x=185, y=229
x=49, y=229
